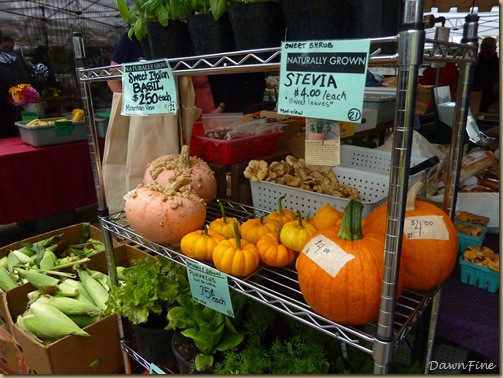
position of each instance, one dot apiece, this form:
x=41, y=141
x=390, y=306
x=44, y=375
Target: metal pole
x=410, y=54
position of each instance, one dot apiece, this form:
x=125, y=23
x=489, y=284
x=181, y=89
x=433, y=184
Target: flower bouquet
x=22, y=94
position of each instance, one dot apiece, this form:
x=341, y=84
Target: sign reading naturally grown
x=323, y=79
x=148, y=88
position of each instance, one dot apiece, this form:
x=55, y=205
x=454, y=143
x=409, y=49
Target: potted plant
x=208, y=330
x=256, y=23
x=317, y=128
x=164, y=22
x=210, y=28
x=149, y=289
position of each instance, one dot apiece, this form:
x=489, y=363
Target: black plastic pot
x=313, y=19
x=172, y=41
x=257, y=25
x=154, y=344
x=210, y=36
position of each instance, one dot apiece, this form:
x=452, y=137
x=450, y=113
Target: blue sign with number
x=209, y=287
x=323, y=79
x=148, y=88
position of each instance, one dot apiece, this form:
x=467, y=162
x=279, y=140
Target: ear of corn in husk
x=48, y=260
x=37, y=279
x=70, y=306
x=45, y=322
x=96, y=291
x=84, y=320
x=82, y=295
x=6, y=280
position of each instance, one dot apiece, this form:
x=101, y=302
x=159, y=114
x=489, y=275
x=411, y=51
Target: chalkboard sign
x=148, y=88
x=323, y=79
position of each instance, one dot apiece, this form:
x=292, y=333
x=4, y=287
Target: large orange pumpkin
x=167, y=169
x=429, y=242
x=340, y=270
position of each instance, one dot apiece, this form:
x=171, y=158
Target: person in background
x=447, y=76
x=43, y=78
x=486, y=74
x=8, y=43
x=11, y=73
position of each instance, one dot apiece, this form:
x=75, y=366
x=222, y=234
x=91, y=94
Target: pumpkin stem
x=352, y=221
x=236, y=234
x=222, y=210
x=184, y=159
x=278, y=233
x=299, y=218
x=170, y=189
x=280, y=205
x=410, y=204
x=206, y=229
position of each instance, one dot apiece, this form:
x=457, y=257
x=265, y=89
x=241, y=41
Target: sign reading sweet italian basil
x=323, y=79
x=148, y=88
x=209, y=287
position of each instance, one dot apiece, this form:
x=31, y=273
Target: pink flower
x=23, y=94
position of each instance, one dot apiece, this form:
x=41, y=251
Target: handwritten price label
x=425, y=227
x=209, y=287
x=327, y=254
x=148, y=88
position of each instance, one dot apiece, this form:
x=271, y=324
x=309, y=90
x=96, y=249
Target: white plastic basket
x=373, y=189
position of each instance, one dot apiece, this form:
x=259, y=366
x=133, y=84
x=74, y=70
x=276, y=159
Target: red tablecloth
x=39, y=182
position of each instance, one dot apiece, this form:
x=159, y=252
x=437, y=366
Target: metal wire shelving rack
x=278, y=288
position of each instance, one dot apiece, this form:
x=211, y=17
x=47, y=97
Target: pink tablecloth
x=39, y=182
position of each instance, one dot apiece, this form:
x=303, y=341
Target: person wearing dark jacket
x=42, y=74
x=486, y=74
x=11, y=73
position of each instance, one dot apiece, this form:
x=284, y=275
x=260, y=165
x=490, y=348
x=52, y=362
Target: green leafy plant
x=210, y=330
x=320, y=126
x=142, y=11
x=216, y=7
x=149, y=287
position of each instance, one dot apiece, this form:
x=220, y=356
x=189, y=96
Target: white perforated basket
x=372, y=187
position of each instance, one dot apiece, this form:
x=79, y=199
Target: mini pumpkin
x=200, y=244
x=281, y=215
x=326, y=216
x=427, y=259
x=224, y=224
x=236, y=256
x=294, y=233
x=272, y=252
x=253, y=229
x=340, y=270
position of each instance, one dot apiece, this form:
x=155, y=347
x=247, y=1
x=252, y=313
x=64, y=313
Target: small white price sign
x=148, y=88
x=430, y=227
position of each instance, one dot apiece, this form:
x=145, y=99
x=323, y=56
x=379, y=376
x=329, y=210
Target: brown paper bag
x=133, y=141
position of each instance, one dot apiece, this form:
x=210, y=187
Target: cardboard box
x=10, y=359
x=74, y=354
x=71, y=235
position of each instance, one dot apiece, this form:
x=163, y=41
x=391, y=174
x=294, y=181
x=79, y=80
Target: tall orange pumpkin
x=340, y=270
x=429, y=242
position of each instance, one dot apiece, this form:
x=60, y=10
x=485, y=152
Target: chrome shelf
x=278, y=288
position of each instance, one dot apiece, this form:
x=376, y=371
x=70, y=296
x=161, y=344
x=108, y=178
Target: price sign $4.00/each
x=148, y=88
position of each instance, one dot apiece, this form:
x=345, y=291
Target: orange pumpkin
x=168, y=168
x=253, y=229
x=340, y=271
x=162, y=213
x=224, y=225
x=272, y=252
x=199, y=244
x=236, y=256
x=428, y=257
x=326, y=216
x=281, y=215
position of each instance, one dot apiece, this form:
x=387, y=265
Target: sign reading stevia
x=148, y=88
x=323, y=79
